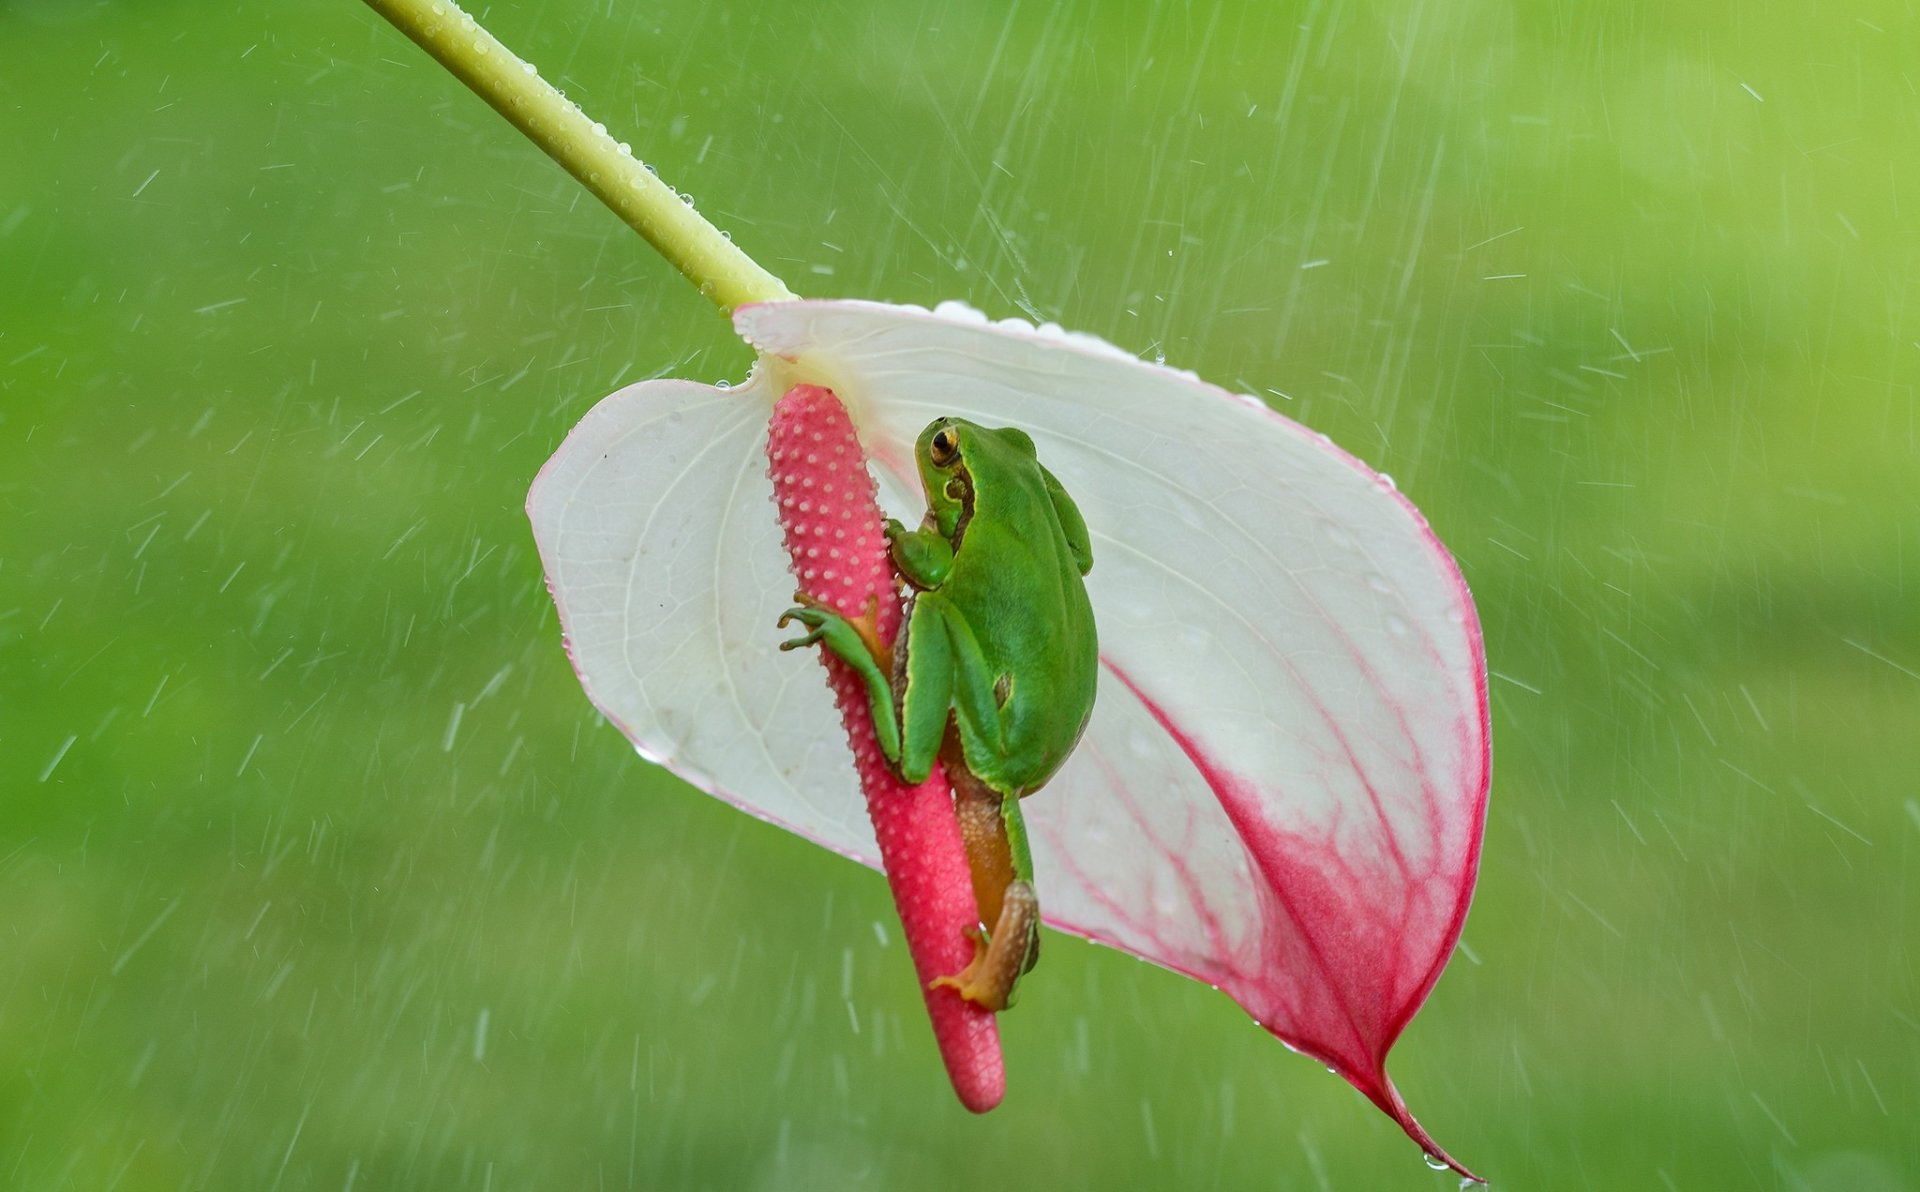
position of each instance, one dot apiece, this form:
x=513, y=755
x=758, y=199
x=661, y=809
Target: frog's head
x=957, y=457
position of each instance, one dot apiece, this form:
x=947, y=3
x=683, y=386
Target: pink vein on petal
x=1290, y=877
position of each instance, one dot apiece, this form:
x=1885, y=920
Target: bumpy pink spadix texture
x=832, y=526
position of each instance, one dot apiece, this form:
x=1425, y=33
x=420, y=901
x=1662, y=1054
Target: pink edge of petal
x=825, y=500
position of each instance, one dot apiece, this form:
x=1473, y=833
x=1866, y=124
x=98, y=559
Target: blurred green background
x=317, y=870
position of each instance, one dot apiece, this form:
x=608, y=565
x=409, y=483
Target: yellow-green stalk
x=724, y=274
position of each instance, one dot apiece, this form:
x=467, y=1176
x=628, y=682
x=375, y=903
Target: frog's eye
x=944, y=447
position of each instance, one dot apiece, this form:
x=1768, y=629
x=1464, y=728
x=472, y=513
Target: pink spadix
x=833, y=533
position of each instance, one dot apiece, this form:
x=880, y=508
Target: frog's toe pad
x=805, y=615
x=969, y=984
x=990, y=977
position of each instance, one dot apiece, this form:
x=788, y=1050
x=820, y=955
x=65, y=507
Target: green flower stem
x=727, y=276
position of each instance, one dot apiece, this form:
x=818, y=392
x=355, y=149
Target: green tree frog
x=995, y=672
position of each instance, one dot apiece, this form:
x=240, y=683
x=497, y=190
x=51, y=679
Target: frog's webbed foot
x=1002, y=955
x=856, y=642
x=825, y=624
x=815, y=620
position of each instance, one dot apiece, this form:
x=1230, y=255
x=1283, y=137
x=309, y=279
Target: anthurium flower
x=1282, y=788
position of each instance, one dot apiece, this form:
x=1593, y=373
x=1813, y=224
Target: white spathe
x=1283, y=785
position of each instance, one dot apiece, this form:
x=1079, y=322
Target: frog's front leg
x=922, y=557
x=856, y=643
x=996, y=840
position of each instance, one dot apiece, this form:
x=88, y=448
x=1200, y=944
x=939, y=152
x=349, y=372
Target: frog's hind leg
x=923, y=675
x=1003, y=891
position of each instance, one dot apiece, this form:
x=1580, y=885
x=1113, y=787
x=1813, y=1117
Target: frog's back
x=1018, y=579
